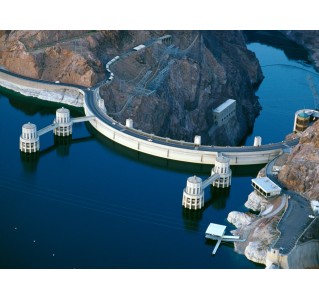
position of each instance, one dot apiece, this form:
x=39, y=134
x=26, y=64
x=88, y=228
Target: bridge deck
x=82, y=119
x=47, y=129
x=210, y=180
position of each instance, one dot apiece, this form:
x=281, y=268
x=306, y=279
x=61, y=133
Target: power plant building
x=224, y=112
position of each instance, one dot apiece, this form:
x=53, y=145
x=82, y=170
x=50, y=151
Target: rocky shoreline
x=298, y=172
x=53, y=93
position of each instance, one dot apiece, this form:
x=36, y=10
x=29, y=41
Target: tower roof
x=194, y=179
x=303, y=115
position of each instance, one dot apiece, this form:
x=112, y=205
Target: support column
x=129, y=123
x=64, y=121
x=197, y=140
x=29, y=139
x=257, y=141
x=193, y=194
x=222, y=167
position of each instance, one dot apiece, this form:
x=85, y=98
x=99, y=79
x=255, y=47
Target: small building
x=265, y=187
x=139, y=47
x=224, y=112
x=215, y=230
x=166, y=39
x=302, y=121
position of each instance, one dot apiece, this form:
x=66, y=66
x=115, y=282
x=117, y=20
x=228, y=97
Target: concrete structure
x=303, y=118
x=224, y=112
x=29, y=139
x=129, y=123
x=166, y=39
x=193, y=194
x=216, y=232
x=266, y=187
x=62, y=126
x=222, y=167
x=197, y=140
x=64, y=122
x=257, y=141
x=139, y=47
x=302, y=122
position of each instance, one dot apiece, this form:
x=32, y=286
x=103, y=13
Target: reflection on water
x=191, y=218
x=277, y=40
x=29, y=161
x=62, y=145
x=219, y=198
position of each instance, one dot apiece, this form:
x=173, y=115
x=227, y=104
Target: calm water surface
x=90, y=203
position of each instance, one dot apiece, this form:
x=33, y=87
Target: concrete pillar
x=129, y=123
x=197, y=140
x=193, y=194
x=29, y=139
x=64, y=121
x=257, y=141
x=222, y=167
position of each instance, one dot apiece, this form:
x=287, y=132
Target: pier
x=216, y=232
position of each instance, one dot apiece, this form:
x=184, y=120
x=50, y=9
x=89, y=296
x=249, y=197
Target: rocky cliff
x=171, y=90
x=166, y=90
x=309, y=39
x=301, y=171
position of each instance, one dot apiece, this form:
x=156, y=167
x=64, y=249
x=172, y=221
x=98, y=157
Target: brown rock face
x=301, y=172
x=171, y=90
x=167, y=90
x=67, y=56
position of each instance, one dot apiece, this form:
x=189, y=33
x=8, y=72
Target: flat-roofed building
x=224, y=112
x=265, y=187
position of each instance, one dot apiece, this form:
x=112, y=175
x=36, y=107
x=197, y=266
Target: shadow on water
x=218, y=198
x=30, y=161
x=192, y=218
x=61, y=146
x=277, y=40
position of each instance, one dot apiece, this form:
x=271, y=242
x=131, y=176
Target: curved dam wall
x=176, y=153
x=45, y=91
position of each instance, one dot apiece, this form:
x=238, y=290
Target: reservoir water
x=90, y=203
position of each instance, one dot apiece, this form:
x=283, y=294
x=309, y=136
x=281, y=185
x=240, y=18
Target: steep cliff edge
x=166, y=90
x=301, y=171
x=309, y=39
x=171, y=90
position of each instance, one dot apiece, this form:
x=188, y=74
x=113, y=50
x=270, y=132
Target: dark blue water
x=284, y=90
x=91, y=203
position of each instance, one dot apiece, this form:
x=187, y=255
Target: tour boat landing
x=216, y=232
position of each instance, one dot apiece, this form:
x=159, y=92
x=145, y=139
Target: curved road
x=295, y=219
